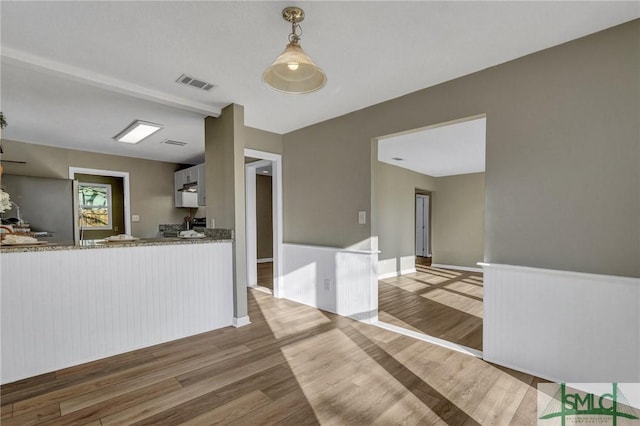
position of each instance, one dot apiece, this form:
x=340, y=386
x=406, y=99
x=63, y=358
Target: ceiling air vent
x=177, y=143
x=194, y=82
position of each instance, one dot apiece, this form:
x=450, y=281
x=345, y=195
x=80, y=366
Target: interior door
x=422, y=226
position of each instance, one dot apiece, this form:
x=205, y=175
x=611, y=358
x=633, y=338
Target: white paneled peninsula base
x=64, y=307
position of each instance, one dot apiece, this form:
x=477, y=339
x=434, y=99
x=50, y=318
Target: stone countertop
x=101, y=244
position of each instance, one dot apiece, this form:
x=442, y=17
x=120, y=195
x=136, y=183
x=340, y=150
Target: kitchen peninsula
x=64, y=305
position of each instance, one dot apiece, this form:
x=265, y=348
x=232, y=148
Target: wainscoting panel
x=66, y=307
x=337, y=280
x=562, y=326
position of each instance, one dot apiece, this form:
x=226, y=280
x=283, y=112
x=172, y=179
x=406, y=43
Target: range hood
x=189, y=187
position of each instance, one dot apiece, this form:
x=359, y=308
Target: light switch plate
x=135, y=218
x=362, y=217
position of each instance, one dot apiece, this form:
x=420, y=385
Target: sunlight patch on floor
x=467, y=288
x=306, y=320
x=455, y=301
x=349, y=373
x=429, y=339
x=390, y=319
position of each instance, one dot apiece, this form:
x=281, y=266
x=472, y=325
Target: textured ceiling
x=452, y=149
x=76, y=73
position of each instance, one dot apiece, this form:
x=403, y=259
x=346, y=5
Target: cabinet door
x=202, y=194
x=191, y=174
x=178, y=182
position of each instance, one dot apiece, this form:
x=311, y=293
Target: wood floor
x=294, y=365
x=439, y=302
x=265, y=275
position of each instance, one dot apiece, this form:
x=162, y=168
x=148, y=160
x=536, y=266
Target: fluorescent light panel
x=137, y=131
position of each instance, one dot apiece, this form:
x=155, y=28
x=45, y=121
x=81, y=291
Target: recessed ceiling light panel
x=137, y=131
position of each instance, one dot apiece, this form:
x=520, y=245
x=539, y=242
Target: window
x=95, y=205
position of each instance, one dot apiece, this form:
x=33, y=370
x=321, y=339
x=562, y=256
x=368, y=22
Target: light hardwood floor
x=439, y=302
x=265, y=275
x=292, y=365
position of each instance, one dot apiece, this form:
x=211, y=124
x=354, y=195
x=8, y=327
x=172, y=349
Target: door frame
x=423, y=193
x=251, y=228
x=125, y=188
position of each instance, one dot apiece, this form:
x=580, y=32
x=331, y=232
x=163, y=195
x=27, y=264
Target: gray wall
x=457, y=222
x=395, y=207
x=264, y=216
x=151, y=182
x=262, y=140
x=457, y=218
x=224, y=139
x=326, y=177
x=562, y=155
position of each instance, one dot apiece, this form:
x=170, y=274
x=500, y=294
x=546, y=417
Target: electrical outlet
x=135, y=218
x=327, y=284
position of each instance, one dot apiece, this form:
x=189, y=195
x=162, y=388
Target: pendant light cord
x=296, y=32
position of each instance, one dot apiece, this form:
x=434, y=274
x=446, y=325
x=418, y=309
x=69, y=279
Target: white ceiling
x=451, y=149
x=76, y=73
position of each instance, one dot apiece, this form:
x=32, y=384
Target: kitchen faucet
x=17, y=212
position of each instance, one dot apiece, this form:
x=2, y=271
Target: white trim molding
x=251, y=226
x=92, y=78
x=278, y=259
x=397, y=274
x=388, y=275
x=430, y=339
x=561, y=325
x=456, y=268
x=125, y=186
x=241, y=322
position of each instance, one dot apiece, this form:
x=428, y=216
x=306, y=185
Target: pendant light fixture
x=294, y=72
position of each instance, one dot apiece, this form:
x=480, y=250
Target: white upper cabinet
x=193, y=174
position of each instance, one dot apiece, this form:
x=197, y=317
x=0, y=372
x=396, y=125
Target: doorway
x=116, y=180
x=264, y=228
x=100, y=206
x=428, y=188
x=423, y=228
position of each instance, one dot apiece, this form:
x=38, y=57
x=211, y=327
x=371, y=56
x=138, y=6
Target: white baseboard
x=387, y=275
x=241, y=322
x=430, y=339
x=456, y=268
x=262, y=289
x=265, y=260
x=397, y=274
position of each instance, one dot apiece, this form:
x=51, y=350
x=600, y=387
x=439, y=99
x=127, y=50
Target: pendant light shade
x=294, y=72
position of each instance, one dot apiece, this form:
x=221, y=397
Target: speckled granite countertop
x=100, y=244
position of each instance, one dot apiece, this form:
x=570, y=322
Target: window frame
x=109, y=207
